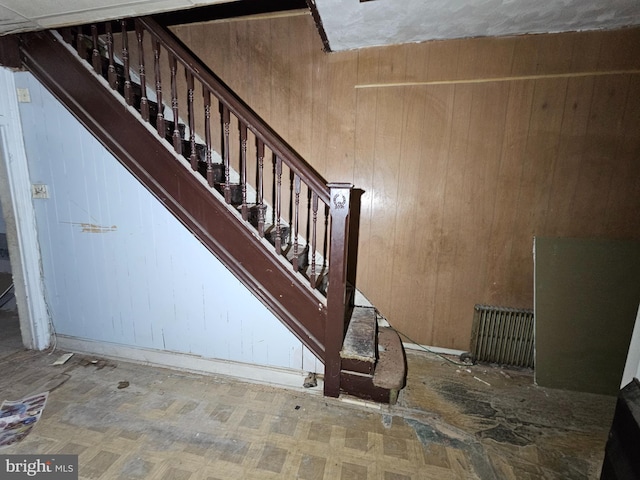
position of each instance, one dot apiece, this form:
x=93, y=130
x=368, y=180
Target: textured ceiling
x=24, y=15
x=351, y=24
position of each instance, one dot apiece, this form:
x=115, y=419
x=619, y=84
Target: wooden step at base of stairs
x=389, y=376
x=361, y=386
x=391, y=368
x=359, y=350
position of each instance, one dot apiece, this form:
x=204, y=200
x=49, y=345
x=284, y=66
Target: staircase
x=249, y=198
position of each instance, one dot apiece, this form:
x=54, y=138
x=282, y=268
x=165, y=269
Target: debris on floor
x=17, y=418
x=123, y=384
x=311, y=381
x=63, y=359
x=99, y=364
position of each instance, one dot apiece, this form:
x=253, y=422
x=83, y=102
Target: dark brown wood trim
x=220, y=11
x=319, y=26
x=189, y=199
x=362, y=386
x=10, y=51
x=337, y=291
x=359, y=366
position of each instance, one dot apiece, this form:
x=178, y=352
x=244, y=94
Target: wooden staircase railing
x=279, y=203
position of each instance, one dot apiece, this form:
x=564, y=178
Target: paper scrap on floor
x=17, y=418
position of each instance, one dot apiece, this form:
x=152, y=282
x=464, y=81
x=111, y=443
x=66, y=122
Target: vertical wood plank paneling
x=585, y=52
x=455, y=204
x=492, y=164
x=365, y=132
x=535, y=184
x=485, y=58
x=387, y=164
x=618, y=50
x=525, y=56
x=342, y=73
x=512, y=158
x=554, y=53
x=405, y=275
x=599, y=158
x=404, y=240
x=622, y=215
x=386, y=167
x=301, y=77
x=281, y=65
x=319, y=95
x=440, y=114
x=429, y=217
x=577, y=105
x=486, y=130
x=119, y=268
x=443, y=60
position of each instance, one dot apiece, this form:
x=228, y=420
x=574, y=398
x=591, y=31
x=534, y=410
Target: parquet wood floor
x=181, y=426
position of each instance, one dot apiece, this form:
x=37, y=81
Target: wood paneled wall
x=465, y=150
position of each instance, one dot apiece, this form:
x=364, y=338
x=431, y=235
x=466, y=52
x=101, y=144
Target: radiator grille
x=503, y=335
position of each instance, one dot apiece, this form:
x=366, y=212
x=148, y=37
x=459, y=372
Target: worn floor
x=451, y=422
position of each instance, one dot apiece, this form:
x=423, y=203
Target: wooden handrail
x=243, y=112
x=336, y=197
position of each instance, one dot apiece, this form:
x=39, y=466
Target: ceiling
x=350, y=24
x=25, y=15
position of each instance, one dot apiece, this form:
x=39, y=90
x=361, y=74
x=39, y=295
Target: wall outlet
x=23, y=95
x=39, y=190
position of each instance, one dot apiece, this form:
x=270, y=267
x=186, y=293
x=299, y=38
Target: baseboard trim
x=428, y=349
x=273, y=376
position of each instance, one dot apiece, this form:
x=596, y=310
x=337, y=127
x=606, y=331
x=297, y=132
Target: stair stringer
x=196, y=205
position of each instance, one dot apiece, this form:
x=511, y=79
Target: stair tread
x=360, y=340
x=391, y=369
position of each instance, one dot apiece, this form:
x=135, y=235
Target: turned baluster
x=128, y=93
x=314, y=208
x=156, y=66
x=193, y=157
x=144, y=101
x=278, y=230
x=95, y=54
x=296, y=216
x=177, y=137
x=112, y=76
x=225, y=118
x=260, y=190
x=207, y=134
x=325, y=239
x=243, y=169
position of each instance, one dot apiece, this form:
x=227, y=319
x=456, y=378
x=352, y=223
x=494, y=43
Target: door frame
x=22, y=233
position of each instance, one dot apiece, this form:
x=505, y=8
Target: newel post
x=340, y=200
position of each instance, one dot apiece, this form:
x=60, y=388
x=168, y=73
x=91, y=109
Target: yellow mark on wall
x=93, y=228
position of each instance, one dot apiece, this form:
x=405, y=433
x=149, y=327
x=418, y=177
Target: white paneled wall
x=119, y=268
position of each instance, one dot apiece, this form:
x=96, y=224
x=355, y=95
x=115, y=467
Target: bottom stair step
x=391, y=369
x=359, y=347
x=388, y=376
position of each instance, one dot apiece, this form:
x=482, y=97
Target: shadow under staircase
x=260, y=208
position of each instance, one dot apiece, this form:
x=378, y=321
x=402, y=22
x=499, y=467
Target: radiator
x=503, y=335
